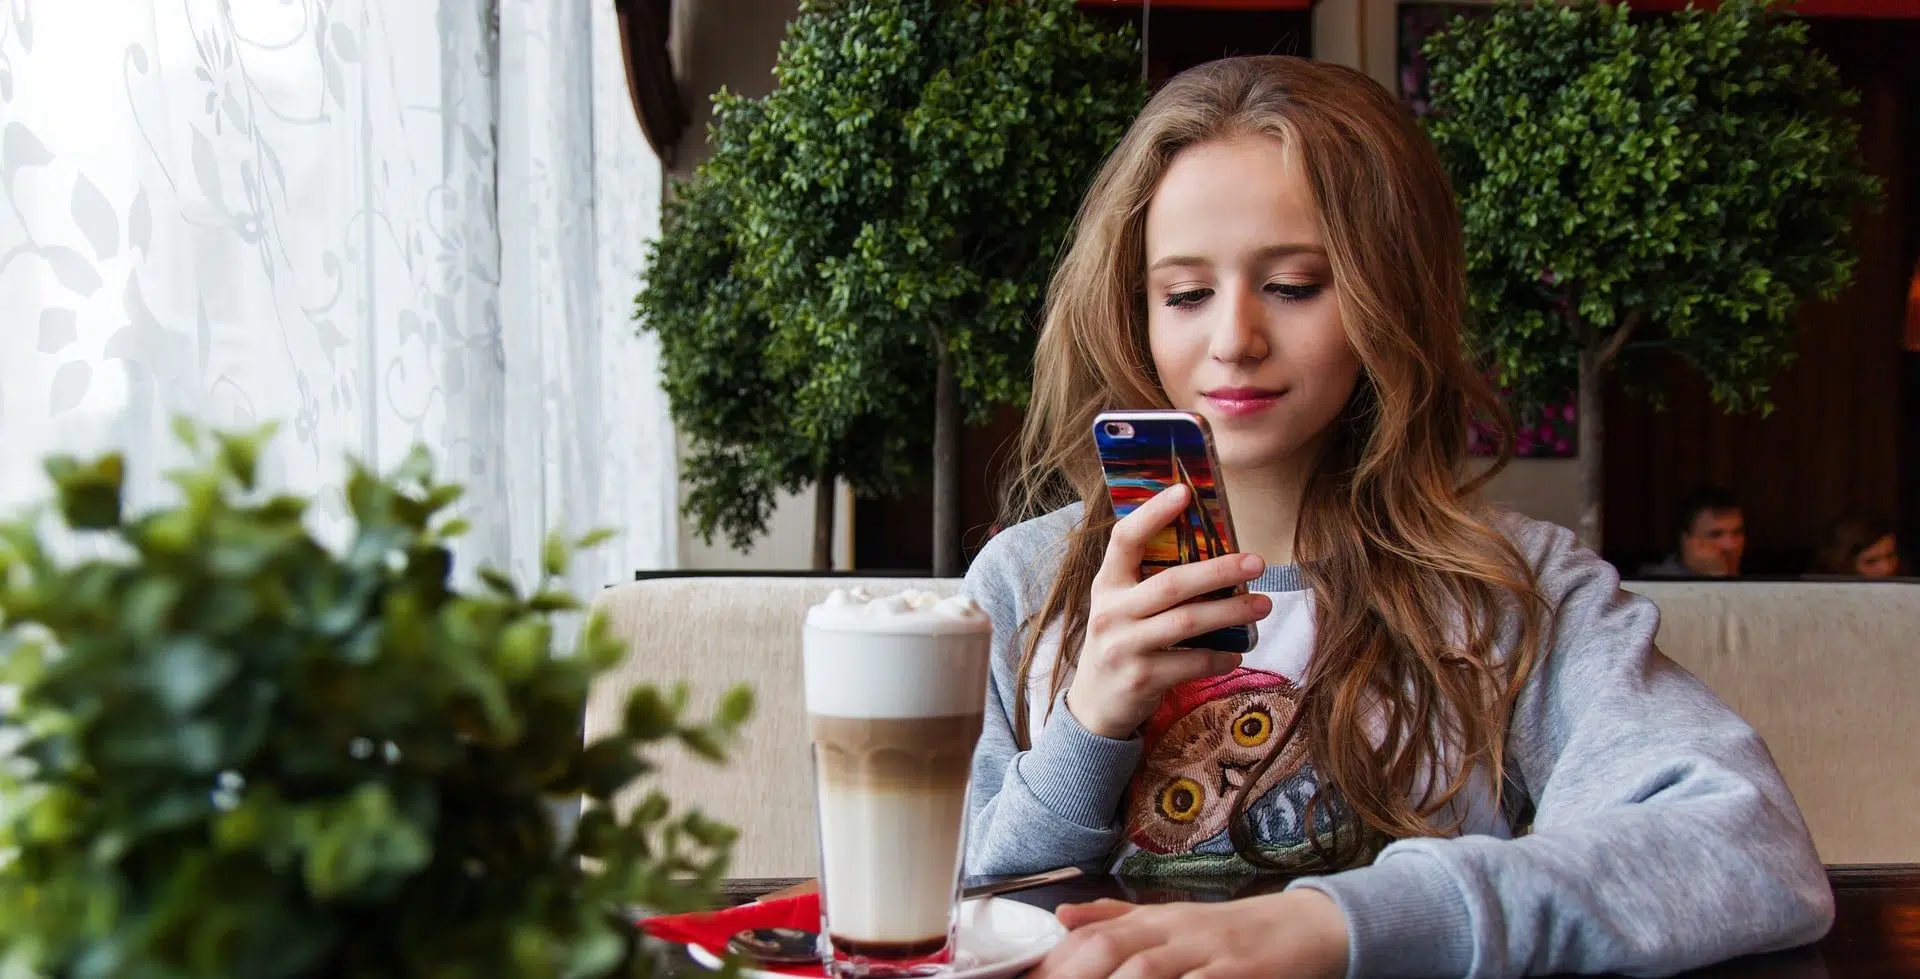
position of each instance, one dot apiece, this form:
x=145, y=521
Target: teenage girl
x=1455, y=726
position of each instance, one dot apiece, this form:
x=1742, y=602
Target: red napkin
x=711, y=929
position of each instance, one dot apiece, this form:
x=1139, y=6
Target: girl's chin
x=1242, y=458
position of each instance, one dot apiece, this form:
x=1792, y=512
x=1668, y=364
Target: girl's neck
x=1265, y=507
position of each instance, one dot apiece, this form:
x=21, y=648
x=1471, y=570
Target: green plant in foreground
x=236, y=753
x=1638, y=189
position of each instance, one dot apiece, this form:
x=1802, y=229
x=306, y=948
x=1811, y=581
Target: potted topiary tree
x=235, y=752
x=1641, y=188
x=893, y=210
x=733, y=403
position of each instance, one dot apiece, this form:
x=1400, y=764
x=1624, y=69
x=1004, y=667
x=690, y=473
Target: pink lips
x=1239, y=402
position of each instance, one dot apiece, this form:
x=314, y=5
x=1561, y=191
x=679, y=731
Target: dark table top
x=1876, y=929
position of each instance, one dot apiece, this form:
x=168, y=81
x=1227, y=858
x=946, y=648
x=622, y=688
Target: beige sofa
x=1829, y=673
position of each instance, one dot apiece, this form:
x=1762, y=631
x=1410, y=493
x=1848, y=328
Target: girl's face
x=1242, y=317
x=1882, y=560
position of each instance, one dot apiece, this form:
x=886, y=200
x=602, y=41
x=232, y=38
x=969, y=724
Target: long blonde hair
x=1412, y=581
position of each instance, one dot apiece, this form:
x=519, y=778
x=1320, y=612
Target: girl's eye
x=1188, y=299
x=1294, y=291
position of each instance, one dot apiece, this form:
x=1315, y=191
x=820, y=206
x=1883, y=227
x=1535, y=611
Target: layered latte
x=895, y=687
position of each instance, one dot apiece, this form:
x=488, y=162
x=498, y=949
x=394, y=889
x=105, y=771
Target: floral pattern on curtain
x=380, y=224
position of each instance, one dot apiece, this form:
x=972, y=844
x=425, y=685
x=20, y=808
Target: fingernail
x=1252, y=563
x=1177, y=489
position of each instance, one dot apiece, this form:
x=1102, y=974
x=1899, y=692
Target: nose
x=1240, y=334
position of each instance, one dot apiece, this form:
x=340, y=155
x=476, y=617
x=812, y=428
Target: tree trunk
x=823, y=522
x=946, y=469
x=1592, y=433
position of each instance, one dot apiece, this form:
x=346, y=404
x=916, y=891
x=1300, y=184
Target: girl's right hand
x=1127, y=662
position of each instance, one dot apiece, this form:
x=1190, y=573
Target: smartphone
x=1144, y=453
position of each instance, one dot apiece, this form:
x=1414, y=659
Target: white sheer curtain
x=379, y=223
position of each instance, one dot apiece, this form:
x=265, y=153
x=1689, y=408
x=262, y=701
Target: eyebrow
x=1267, y=253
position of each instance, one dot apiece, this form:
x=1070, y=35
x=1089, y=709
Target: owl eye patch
x=1180, y=800
x=1252, y=728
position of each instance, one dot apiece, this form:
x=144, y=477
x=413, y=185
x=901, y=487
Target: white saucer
x=997, y=938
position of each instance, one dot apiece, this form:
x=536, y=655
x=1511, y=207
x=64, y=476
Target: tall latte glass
x=895, y=688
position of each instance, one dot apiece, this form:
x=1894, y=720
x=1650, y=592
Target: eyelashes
x=1292, y=292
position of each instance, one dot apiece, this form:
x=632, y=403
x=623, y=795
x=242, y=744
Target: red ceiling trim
x=1892, y=9
x=1294, y=5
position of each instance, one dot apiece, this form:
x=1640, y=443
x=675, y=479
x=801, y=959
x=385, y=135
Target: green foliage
x=1678, y=183
x=237, y=753
x=901, y=194
x=725, y=401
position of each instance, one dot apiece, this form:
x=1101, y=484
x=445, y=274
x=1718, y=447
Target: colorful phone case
x=1143, y=453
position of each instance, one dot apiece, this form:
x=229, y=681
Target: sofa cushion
x=1829, y=674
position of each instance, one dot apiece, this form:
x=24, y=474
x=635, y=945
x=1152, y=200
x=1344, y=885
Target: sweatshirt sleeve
x=1663, y=836
x=1058, y=803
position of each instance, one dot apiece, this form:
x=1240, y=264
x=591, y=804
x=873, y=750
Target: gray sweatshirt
x=1661, y=835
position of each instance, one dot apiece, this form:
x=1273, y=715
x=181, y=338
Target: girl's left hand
x=1297, y=933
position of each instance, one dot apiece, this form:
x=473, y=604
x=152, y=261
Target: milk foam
x=907, y=655
x=911, y=611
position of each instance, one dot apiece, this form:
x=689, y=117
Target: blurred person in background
x=1710, y=537
x=1857, y=546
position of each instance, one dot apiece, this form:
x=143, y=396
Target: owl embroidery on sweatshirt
x=1203, y=745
